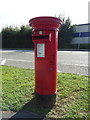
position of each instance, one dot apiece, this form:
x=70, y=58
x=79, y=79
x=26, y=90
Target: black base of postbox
x=46, y=100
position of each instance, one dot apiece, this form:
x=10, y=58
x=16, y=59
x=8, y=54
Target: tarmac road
x=68, y=61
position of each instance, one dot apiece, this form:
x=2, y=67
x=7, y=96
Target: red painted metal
x=45, y=40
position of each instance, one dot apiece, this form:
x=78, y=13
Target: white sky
x=18, y=12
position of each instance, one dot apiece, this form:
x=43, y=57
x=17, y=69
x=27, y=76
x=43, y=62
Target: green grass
x=72, y=99
x=18, y=85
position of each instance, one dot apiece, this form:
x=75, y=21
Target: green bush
x=84, y=46
x=75, y=46
x=17, y=37
x=70, y=46
x=22, y=37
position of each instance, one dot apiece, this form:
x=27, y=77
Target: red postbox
x=45, y=38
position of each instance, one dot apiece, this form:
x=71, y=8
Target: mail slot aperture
x=41, y=37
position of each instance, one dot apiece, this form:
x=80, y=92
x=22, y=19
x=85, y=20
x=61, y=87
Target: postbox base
x=46, y=100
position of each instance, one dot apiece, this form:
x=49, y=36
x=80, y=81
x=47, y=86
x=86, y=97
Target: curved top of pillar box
x=45, y=23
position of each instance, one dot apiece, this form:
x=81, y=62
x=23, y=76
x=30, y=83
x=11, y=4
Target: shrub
x=17, y=37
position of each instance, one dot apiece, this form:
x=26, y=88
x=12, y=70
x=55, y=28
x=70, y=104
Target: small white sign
x=40, y=50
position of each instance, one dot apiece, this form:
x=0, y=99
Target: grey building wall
x=82, y=34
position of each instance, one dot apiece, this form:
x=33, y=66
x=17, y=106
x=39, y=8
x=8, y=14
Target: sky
x=18, y=12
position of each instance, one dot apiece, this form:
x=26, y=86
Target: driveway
x=68, y=61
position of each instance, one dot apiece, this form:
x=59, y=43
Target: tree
x=65, y=33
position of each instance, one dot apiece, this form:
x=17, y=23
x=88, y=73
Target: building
x=81, y=35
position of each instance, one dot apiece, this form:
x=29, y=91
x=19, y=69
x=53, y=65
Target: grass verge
x=72, y=94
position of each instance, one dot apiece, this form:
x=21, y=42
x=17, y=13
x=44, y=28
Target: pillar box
x=45, y=38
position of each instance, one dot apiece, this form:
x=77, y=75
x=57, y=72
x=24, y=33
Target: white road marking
x=6, y=51
x=21, y=51
x=20, y=60
x=81, y=65
x=3, y=62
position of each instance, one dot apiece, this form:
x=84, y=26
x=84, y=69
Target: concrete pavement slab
x=20, y=115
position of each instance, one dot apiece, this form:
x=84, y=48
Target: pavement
x=20, y=115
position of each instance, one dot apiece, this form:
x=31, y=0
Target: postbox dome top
x=45, y=22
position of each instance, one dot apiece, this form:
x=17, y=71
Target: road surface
x=68, y=61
